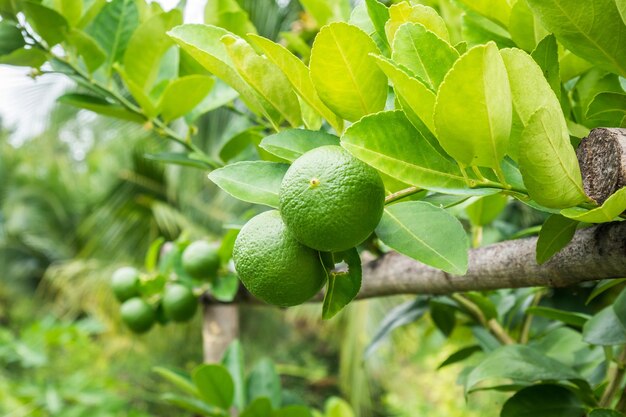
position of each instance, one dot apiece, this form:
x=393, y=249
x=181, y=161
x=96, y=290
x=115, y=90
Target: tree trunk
x=219, y=329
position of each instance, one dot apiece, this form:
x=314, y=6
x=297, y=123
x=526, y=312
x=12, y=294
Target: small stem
x=614, y=383
x=492, y=325
x=477, y=236
x=528, y=320
x=398, y=195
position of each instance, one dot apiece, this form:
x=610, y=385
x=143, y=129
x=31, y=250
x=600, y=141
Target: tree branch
x=594, y=253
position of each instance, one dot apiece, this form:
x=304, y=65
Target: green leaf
x=543, y=401
x=546, y=54
x=342, y=285
x=193, y=405
x=555, y=234
x=179, y=158
x=605, y=412
x=260, y=407
x=113, y=27
x=443, y=316
x=252, y=181
x=233, y=361
x=426, y=233
x=290, y=144
x=568, y=317
x=357, y=86
x=72, y=10
x=146, y=47
x=336, y=407
x=379, y=14
x=92, y=10
x=298, y=75
x=25, y=58
x=607, y=104
x=460, y=355
x=219, y=95
x=604, y=329
x=525, y=29
x=239, y=143
x=266, y=78
x=607, y=212
x=498, y=11
x=548, y=162
x=183, y=94
x=48, y=23
x=404, y=12
x=401, y=315
x=215, y=385
x=486, y=209
x=229, y=15
x=567, y=346
x=522, y=364
x=484, y=304
x=88, y=48
x=409, y=157
x=180, y=380
x=604, y=286
x=151, y=259
x=424, y=53
x=203, y=43
x=478, y=30
x=11, y=38
x=263, y=381
x=326, y=11
x=100, y=106
x=473, y=109
x=526, y=75
x=225, y=288
x=293, y=411
x=593, y=30
x=619, y=306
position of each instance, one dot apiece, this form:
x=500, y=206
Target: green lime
x=125, y=283
x=137, y=314
x=273, y=265
x=201, y=260
x=330, y=200
x=179, y=303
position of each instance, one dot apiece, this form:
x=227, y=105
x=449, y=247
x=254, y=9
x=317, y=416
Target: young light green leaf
x=525, y=29
x=607, y=212
x=548, y=162
x=100, y=106
x=181, y=381
x=336, y=407
x=263, y=381
x=72, y=10
x=48, y=23
x=203, y=43
x=298, y=75
x=426, y=233
x=401, y=13
x=87, y=48
x=113, y=27
x=10, y=38
x=543, y=401
x=593, y=30
x=604, y=329
x=416, y=98
x=342, y=285
x=327, y=11
x=91, y=11
x=379, y=14
x=219, y=95
x=22, y=57
x=409, y=157
x=215, y=385
x=555, y=234
x=139, y=94
x=473, y=108
x=183, y=94
x=260, y=407
x=146, y=47
x=229, y=15
x=290, y=144
x=265, y=77
x=546, y=54
x=357, y=86
x=252, y=181
x=424, y=53
x=485, y=209
x=568, y=317
x=193, y=405
x=498, y=11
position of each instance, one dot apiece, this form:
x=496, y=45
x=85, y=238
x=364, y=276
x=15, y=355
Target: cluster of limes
x=176, y=302
x=329, y=202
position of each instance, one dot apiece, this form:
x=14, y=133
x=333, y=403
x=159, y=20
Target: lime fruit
x=179, y=303
x=137, y=314
x=125, y=283
x=273, y=265
x=330, y=200
x=201, y=260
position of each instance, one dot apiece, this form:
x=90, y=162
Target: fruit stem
x=492, y=325
x=398, y=195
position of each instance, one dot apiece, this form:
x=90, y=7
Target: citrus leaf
x=229, y=15
x=252, y=181
x=555, y=234
x=409, y=157
x=379, y=14
x=605, y=412
x=498, y=11
x=342, y=286
x=87, y=47
x=25, y=58
x=71, y=10
x=426, y=233
x=548, y=162
x=298, y=75
x=607, y=212
x=607, y=104
x=593, y=30
x=604, y=286
x=180, y=380
x=292, y=411
x=260, y=407
x=48, y=23
x=525, y=29
x=337, y=407
x=10, y=38
x=473, y=109
x=532, y=401
x=485, y=209
x=215, y=385
x=233, y=361
x=619, y=307
x=225, y=288
x=263, y=381
x=100, y=106
x=194, y=405
x=266, y=78
x=604, y=329
x=183, y=94
x=357, y=86
x=326, y=11
x=178, y=158
x=568, y=317
x=424, y=53
x=460, y=355
x=290, y=144
x=546, y=54
x=404, y=12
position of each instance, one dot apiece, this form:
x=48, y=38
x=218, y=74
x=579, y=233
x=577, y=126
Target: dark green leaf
x=555, y=234
x=605, y=412
x=180, y=380
x=443, y=315
x=619, y=306
x=568, y=317
x=252, y=181
x=342, y=285
x=379, y=14
x=215, y=385
x=193, y=405
x=486, y=306
x=263, y=381
x=100, y=106
x=176, y=158
x=261, y=407
x=603, y=286
x=546, y=54
x=25, y=58
x=608, y=104
x=88, y=48
x=48, y=23
x=290, y=144
x=604, y=329
x=460, y=355
x=10, y=38
x=293, y=411
x=543, y=401
x=242, y=141
x=233, y=361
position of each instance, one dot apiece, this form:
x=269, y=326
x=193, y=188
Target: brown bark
x=220, y=327
x=602, y=159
